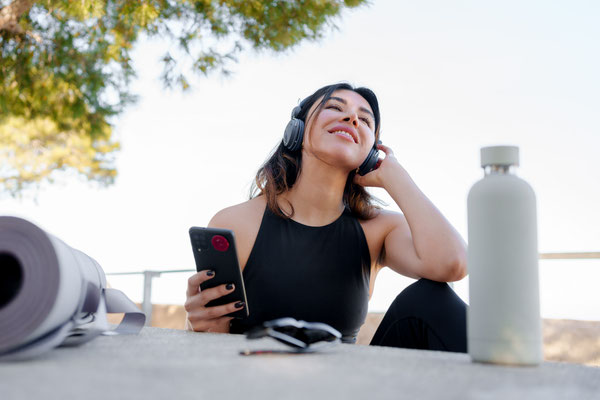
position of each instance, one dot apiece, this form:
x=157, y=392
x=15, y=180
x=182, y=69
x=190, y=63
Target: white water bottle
x=503, y=321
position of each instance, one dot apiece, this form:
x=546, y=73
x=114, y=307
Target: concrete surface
x=175, y=364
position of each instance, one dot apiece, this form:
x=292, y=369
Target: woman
x=311, y=241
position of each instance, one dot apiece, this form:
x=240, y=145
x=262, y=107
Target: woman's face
x=343, y=132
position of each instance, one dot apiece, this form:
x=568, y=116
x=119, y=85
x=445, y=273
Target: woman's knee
x=424, y=288
x=426, y=294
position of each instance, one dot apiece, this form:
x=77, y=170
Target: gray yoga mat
x=52, y=294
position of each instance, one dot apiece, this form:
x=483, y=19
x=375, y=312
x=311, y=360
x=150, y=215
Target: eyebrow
x=345, y=102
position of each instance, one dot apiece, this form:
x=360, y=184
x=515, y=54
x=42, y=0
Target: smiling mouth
x=343, y=133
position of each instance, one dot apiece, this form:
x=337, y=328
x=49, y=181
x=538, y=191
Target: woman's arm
x=420, y=243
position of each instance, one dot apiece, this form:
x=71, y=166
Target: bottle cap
x=499, y=155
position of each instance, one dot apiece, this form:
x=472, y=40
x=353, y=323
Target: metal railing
x=150, y=274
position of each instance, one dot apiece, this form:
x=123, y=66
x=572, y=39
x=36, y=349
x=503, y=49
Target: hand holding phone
x=220, y=288
x=207, y=319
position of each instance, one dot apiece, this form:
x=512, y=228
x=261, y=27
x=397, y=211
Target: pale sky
x=450, y=78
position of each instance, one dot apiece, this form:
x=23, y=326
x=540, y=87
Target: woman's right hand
x=208, y=319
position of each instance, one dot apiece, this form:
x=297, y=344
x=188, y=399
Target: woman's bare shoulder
x=240, y=216
x=378, y=227
x=244, y=220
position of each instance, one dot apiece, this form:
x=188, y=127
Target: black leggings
x=426, y=315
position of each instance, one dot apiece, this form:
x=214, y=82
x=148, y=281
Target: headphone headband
x=296, y=111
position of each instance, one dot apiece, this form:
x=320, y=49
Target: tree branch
x=9, y=15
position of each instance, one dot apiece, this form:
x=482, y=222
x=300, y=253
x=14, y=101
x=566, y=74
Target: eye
x=366, y=121
x=335, y=107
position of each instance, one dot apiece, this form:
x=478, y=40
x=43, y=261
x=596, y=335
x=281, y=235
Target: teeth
x=343, y=133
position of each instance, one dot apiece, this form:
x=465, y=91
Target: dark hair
x=279, y=173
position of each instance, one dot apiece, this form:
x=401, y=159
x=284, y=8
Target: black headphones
x=294, y=133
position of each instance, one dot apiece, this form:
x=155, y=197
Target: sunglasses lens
x=288, y=330
x=313, y=336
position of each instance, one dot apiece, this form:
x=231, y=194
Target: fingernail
x=239, y=304
x=229, y=286
x=210, y=272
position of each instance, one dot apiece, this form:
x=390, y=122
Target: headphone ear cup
x=370, y=162
x=294, y=132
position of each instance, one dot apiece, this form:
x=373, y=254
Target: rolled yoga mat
x=52, y=294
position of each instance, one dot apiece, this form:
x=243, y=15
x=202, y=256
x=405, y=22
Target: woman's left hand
x=378, y=176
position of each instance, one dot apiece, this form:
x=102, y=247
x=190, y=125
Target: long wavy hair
x=281, y=170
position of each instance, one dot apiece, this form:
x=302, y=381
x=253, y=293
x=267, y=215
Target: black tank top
x=315, y=274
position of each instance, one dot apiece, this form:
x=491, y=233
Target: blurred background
x=212, y=102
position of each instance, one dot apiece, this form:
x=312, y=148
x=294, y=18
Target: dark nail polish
x=229, y=286
x=239, y=304
x=210, y=272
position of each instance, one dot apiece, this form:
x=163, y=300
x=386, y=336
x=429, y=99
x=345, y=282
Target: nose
x=353, y=119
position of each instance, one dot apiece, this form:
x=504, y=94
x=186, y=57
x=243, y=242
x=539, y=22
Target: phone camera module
x=219, y=243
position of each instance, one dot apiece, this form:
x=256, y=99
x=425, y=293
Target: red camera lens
x=219, y=243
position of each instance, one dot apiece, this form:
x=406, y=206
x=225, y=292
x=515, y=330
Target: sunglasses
x=301, y=336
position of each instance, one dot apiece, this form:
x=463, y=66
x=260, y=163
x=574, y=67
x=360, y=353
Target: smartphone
x=215, y=249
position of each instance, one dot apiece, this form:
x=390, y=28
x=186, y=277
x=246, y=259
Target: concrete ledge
x=165, y=363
